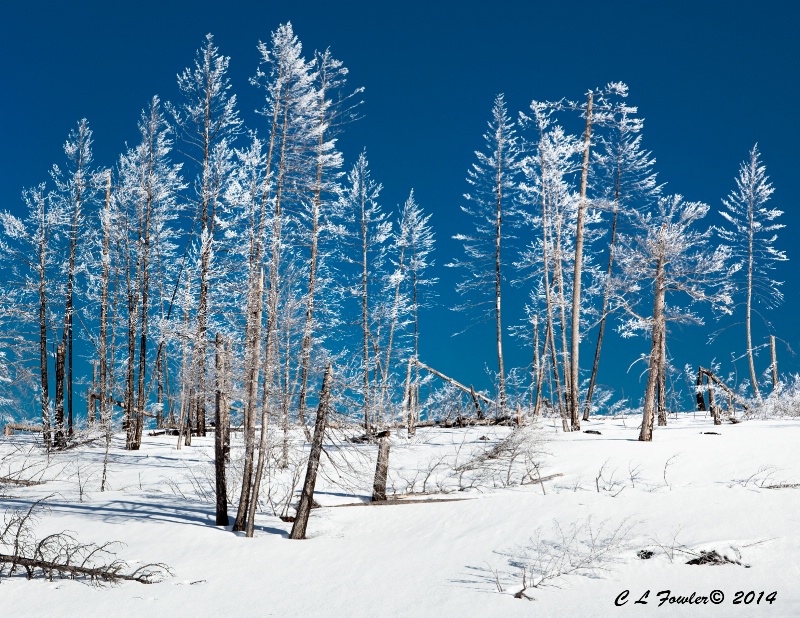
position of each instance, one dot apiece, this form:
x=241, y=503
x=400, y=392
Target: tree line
x=219, y=260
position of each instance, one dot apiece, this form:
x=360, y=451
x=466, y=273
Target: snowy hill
x=468, y=516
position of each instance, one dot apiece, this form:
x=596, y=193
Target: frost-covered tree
x=73, y=192
x=206, y=121
x=494, y=181
x=666, y=258
x=27, y=249
x=416, y=236
x=751, y=234
x=366, y=244
x=550, y=200
x=332, y=109
x=625, y=183
x=288, y=82
x=148, y=199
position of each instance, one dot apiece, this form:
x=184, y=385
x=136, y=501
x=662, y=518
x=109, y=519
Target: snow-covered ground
x=685, y=492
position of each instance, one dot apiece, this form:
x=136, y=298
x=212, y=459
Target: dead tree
x=62, y=555
x=221, y=426
x=381, y=468
x=576, y=285
x=774, y=362
x=407, y=400
x=60, y=438
x=475, y=396
x=710, y=377
x=307, y=496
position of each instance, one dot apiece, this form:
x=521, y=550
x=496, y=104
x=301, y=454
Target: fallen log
x=23, y=482
x=147, y=574
x=395, y=501
x=12, y=427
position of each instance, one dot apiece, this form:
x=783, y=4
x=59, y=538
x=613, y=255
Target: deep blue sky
x=711, y=79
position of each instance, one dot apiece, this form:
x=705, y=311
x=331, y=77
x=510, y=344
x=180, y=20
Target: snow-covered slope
x=684, y=493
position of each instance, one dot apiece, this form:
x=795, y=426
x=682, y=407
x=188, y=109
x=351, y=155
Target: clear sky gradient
x=711, y=79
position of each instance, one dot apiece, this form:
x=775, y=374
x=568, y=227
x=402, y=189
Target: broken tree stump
x=381, y=468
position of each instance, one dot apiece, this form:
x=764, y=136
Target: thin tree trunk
x=549, y=335
x=271, y=350
x=252, y=365
x=144, y=293
x=538, y=370
x=497, y=281
x=46, y=428
x=774, y=362
x=407, y=403
x=305, y=348
x=576, y=286
x=307, y=495
x=60, y=439
x=365, y=310
x=712, y=404
x=103, y=349
x=385, y=370
x=648, y=414
x=753, y=377
x=558, y=282
x=603, y=312
x=220, y=430
x=185, y=381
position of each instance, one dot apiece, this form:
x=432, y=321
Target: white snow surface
x=692, y=492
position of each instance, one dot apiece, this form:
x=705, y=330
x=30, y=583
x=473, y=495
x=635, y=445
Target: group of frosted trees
x=218, y=266
x=208, y=245
x=583, y=224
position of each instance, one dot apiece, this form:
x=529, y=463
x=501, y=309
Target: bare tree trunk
x=407, y=403
x=549, y=336
x=221, y=421
x=185, y=380
x=305, y=348
x=458, y=385
x=554, y=357
x=251, y=368
x=712, y=404
x=753, y=377
x=144, y=293
x=662, y=382
x=648, y=414
x=774, y=362
x=365, y=310
x=91, y=400
x=381, y=468
x=46, y=427
x=603, y=312
x=103, y=347
x=558, y=281
x=60, y=439
x=701, y=404
x=271, y=349
x=307, y=495
x=576, y=286
x=160, y=370
x=497, y=280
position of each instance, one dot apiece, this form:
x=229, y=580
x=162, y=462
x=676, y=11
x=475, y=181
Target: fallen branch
x=62, y=555
x=23, y=482
x=147, y=574
x=395, y=501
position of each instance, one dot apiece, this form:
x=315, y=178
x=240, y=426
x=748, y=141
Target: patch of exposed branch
x=62, y=555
